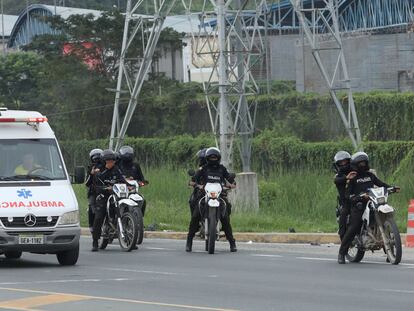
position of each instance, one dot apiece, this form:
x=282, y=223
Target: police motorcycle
x=122, y=216
x=379, y=230
x=212, y=207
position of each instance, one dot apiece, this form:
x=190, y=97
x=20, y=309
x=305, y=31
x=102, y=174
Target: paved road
x=162, y=276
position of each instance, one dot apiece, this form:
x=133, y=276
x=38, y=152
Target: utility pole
x=312, y=21
x=131, y=75
x=2, y=28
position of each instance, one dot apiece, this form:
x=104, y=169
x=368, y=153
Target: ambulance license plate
x=31, y=239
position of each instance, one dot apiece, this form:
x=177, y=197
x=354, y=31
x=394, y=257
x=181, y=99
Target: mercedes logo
x=30, y=220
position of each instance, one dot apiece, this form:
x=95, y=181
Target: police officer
x=342, y=165
x=109, y=175
x=94, y=167
x=212, y=172
x=197, y=194
x=358, y=184
x=130, y=169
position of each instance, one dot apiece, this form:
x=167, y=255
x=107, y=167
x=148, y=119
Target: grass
x=304, y=201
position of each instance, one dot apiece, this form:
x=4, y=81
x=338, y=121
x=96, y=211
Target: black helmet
x=213, y=155
x=126, y=153
x=360, y=161
x=342, y=160
x=108, y=154
x=201, y=155
x=95, y=155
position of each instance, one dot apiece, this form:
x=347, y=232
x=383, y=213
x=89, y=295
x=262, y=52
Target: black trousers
x=343, y=218
x=100, y=214
x=91, y=209
x=355, y=223
x=197, y=216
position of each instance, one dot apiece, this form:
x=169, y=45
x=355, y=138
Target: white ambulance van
x=38, y=209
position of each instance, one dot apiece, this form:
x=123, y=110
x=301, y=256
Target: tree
x=20, y=74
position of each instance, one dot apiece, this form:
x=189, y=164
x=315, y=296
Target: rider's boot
x=341, y=259
x=95, y=246
x=189, y=245
x=233, y=247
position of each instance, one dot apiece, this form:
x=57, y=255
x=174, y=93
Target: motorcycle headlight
x=70, y=218
x=382, y=200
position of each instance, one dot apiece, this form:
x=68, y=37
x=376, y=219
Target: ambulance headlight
x=70, y=218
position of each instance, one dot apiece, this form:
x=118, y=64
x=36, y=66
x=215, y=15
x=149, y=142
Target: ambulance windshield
x=30, y=159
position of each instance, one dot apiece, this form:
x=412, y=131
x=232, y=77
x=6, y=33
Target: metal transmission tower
x=134, y=68
x=230, y=43
x=321, y=27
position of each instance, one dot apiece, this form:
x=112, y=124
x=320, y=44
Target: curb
x=273, y=237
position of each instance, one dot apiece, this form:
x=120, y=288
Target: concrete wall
x=283, y=56
x=171, y=63
x=374, y=62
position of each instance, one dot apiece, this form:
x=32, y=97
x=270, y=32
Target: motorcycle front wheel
x=130, y=226
x=212, y=232
x=354, y=253
x=392, y=233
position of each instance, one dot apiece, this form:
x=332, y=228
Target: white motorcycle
x=379, y=230
x=121, y=219
x=215, y=207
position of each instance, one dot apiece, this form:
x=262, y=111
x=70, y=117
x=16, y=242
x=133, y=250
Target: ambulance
x=39, y=212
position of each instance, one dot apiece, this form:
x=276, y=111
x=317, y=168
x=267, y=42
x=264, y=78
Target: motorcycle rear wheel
x=140, y=224
x=105, y=233
x=355, y=254
x=212, y=232
x=393, y=234
x=130, y=226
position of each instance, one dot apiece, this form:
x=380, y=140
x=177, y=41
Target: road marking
x=409, y=265
x=142, y=271
x=316, y=258
x=64, y=281
x=265, y=255
x=160, y=249
x=401, y=291
x=32, y=302
x=86, y=297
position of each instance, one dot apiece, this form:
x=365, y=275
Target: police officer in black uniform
x=212, y=172
x=197, y=193
x=358, y=184
x=109, y=175
x=131, y=169
x=94, y=167
x=342, y=165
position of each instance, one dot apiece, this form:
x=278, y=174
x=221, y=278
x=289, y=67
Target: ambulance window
x=34, y=157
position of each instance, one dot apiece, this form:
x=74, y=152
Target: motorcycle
x=121, y=219
x=379, y=230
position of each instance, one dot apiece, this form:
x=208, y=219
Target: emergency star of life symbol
x=24, y=193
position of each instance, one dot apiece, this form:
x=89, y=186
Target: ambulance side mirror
x=79, y=176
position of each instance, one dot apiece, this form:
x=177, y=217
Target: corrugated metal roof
x=65, y=12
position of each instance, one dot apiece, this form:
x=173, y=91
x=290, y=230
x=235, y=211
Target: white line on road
x=142, y=271
x=401, y=291
x=64, y=281
x=266, y=255
x=316, y=258
x=409, y=265
x=160, y=249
